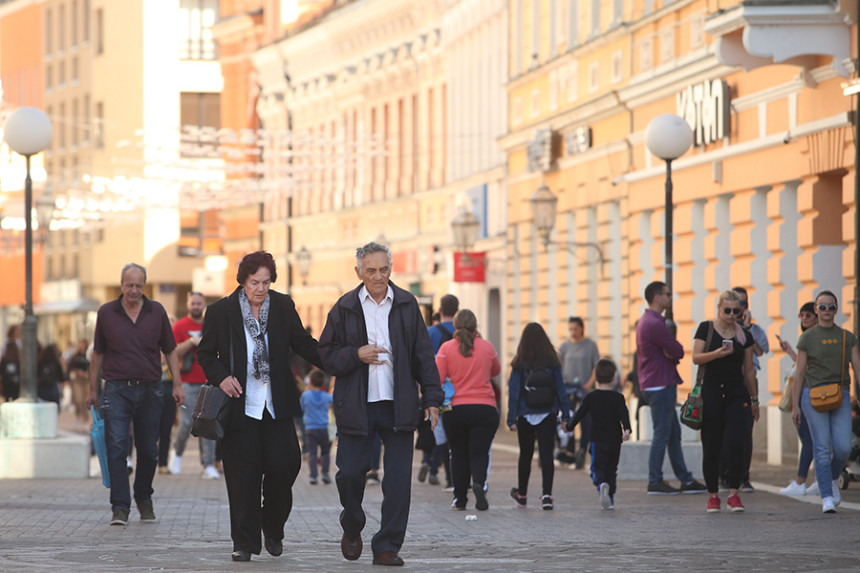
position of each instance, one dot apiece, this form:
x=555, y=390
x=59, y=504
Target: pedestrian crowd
x=377, y=376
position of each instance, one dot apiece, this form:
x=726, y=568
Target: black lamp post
x=28, y=132
x=668, y=137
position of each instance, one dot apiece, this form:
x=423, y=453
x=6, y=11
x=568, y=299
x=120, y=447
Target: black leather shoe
x=241, y=556
x=388, y=558
x=274, y=546
x=351, y=548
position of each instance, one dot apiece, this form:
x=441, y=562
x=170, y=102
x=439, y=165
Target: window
x=61, y=77
x=86, y=20
x=573, y=81
x=62, y=125
x=98, y=127
x=196, y=18
x=100, y=24
x=85, y=136
x=49, y=76
x=75, y=122
x=667, y=45
x=617, y=66
x=74, y=69
x=200, y=118
x=74, y=22
x=517, y=111
x=697, y=36
x=534, y=105
x=49, y=31
x=552, y=102
x=61, y=28
x=646, y=54
x=593, y=77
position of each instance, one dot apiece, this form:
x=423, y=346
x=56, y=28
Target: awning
x=75, y=306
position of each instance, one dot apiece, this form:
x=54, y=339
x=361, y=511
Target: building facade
x=764, y=199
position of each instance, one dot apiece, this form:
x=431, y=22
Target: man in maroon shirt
x=131, y=333
x=657, y=356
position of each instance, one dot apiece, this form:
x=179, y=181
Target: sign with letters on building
x=705, y=107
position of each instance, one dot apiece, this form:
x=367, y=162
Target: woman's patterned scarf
x=258, y=333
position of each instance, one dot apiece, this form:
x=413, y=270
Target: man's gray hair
x=369, y=249
x=130, y=266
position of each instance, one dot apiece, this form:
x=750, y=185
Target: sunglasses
x=736, y=311
x=830, y=307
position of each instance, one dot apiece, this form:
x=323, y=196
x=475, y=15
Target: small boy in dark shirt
x=608, y=416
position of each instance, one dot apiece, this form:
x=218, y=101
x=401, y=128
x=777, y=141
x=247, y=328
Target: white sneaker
x=837, y=497
x=813, y=489
x=605, y=500
x=209, y=472
x=176, y=465
x=827, y=505
x=793, y=488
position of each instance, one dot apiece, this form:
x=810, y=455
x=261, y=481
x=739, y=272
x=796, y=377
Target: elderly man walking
x=131, y=333
x=376, y=344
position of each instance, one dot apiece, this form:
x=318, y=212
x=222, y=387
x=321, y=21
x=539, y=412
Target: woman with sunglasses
x=824, y=353
x=729, y=394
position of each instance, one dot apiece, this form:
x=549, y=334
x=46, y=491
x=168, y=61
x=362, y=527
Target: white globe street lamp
x=465, y=227
x=668, y=137
x=28, y=131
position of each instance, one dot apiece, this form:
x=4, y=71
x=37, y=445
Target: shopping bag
x=97, y=433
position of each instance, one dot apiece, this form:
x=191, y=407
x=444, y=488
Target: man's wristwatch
x=754, y=399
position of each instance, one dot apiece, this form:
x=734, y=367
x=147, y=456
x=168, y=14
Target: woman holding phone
x=729, y=394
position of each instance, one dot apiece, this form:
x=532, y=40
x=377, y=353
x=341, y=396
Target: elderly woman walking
x=245, y=351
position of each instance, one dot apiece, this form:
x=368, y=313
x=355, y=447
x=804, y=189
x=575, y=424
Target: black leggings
x=725, y=424
x=545, y=433
x=470, y=429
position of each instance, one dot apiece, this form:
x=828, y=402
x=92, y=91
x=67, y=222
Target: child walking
x=608, y=416
x=315, y=405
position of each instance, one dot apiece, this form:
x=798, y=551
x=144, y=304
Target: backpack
x=447, y=386
x=539, y=389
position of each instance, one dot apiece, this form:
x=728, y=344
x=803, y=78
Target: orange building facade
x=763, y=200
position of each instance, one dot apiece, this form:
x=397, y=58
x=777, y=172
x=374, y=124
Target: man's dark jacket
x=285, y=331
x=414, y=364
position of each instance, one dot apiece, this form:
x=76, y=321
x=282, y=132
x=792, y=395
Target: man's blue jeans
x=667, y=435
x=127, y=402
x=829, y=430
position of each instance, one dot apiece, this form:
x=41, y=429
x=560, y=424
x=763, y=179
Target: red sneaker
x=734, y=503
x=713, y=504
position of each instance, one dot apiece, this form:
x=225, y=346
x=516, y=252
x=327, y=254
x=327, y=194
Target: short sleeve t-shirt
x=728, y=370
x=823, y=347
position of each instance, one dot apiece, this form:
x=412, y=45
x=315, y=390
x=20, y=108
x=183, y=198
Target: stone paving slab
x=62, y=525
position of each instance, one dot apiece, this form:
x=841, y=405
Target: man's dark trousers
x=353, y=462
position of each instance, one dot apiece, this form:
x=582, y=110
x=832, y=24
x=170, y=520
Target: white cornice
x=781, y=33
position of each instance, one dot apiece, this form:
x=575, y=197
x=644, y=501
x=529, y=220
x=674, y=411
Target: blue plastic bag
x=97, y=433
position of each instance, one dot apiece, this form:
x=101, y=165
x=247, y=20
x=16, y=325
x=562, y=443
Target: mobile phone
x=728, y=343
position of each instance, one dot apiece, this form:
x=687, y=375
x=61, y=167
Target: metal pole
x=28, y=330
x=669, y=207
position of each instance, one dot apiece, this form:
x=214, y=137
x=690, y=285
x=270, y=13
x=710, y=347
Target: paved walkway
x=62, y=525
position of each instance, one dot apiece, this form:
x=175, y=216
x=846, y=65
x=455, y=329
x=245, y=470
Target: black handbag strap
x=230, y=330
x=700, y=373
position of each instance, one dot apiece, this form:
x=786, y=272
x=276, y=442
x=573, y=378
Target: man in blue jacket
x=375, y=344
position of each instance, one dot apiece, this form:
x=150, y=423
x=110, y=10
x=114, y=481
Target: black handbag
x=212, y=410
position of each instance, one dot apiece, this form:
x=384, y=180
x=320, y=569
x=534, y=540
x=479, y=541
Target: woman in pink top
x=469, y=361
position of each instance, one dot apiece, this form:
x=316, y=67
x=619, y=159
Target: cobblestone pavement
x=62, y=525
